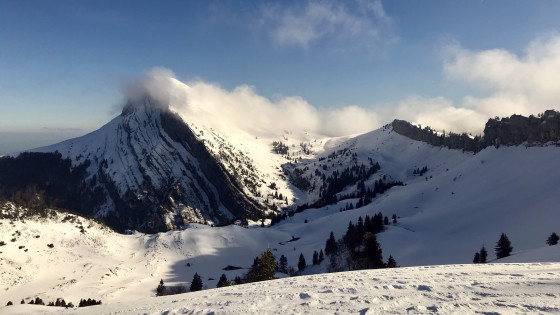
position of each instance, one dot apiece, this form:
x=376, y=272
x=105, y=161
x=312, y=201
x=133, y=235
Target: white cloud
x=345, y=25
x=440, y=114
x=516, y=84
x=526, y=84
x=157, y=83
x=244, y=109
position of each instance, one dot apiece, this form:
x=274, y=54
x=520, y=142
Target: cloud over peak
x=515, y=84
x=244, y=109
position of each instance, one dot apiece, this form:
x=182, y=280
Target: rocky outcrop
x=428, y=135
x=513, y=130
x=518, y=129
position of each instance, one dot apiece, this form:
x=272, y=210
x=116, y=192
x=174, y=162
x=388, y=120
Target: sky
x=65, y=66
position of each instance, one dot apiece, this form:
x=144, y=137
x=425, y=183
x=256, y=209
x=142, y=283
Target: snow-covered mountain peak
x=152, y=171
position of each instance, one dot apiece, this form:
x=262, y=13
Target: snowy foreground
x=448, y=289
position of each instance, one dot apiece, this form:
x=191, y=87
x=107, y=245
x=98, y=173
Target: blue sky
x=63, y=63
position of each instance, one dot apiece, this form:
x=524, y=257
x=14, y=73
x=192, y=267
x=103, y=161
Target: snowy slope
x=452, y=289
x=462, y=202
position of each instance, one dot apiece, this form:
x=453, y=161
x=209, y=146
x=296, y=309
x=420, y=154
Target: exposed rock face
x=514, y=130
x=428, y=135
x=229, y=190
x=518, y=129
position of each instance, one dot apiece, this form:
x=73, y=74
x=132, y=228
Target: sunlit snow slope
x=452, y=289
x=461, y=203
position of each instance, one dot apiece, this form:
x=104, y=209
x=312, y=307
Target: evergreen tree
x=330, y=247
x=391, y=262
x=367, y=224
x=196, y=284
x=360, y=227
x=372, y=254
x=315, y=258
x=283, y=264
x=350, y=235
x=237, y=280
x=503, y=247
x=301, y=264
x=263, y=268
x=22, y=301
x=160, y=291
x=377, y=223
x=552, y=239
x=394, y=217
x=223, y=282
x=483, y=255
x=267, y=265
x=386, y=220
x=476, y=259
x=321, y=256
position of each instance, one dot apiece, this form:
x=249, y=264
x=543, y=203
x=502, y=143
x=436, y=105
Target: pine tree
x=283, y=264
x=321, y=256
x=315, y=258
x=483, y=255
x=372, y=254
x=360, y=227
x=394, y=217
x=237, y=280
x=223, y=282
x=552, y=239
x=160, y=291
x=386, y=220
x=391, y=262
x=350, y=235
x=503, y=247
x=330, y=247
x=268, y=265
x=263, y=268
x=476, y=259
x=196, y=284
x=301, y=264
x=377, y=223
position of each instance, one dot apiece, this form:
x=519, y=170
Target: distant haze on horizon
x=340, y=66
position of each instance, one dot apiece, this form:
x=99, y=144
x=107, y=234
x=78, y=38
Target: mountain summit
x=154, y=173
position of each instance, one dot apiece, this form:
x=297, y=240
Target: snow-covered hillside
x=451, y=289
x=168, y=167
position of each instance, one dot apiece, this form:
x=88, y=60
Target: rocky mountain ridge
x=513, y=130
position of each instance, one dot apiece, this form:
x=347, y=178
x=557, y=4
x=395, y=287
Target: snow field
x=448, y=289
